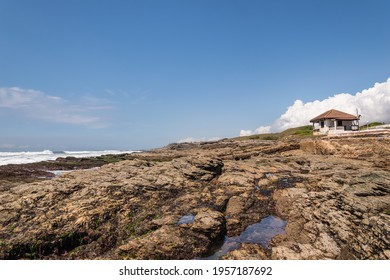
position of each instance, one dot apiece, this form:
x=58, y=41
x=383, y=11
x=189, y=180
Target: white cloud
x=195, y=140
x=263, y=129
x=259, y=130
x=246, y=132
x=373, y=104
x=38, y=105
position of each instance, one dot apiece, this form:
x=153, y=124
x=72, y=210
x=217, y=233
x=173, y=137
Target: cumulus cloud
x=259, y=130
x=38, y=105
x=195, y=140
x=373, y=104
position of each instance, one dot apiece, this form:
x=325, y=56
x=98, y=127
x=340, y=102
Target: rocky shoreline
x=334, y=195
x=39, y=171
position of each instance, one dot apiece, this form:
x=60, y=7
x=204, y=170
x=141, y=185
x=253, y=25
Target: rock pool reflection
x=186, y=219
x=260, y=233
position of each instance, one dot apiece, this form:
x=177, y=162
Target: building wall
x=329, y=127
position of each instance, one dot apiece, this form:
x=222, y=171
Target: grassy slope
x=296, y=132
x=370, y=125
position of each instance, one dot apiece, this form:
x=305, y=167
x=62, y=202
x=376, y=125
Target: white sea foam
x=30, y=157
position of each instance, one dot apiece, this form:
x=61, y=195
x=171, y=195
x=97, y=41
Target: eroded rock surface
x=333, y=193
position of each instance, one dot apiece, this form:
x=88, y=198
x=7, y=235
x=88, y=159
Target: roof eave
x=337, y=119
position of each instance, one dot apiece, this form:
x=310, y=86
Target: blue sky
x=141, y=74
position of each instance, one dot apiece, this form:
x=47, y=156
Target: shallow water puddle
x=60, y=172
x=186, y=219
x=259, y=233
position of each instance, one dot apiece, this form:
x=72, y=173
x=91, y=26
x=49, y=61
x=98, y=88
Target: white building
x=334, y=122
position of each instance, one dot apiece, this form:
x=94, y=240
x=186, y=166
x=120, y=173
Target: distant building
x=334, y=122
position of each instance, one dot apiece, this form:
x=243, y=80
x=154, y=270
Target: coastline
x=183, y=200
x=43, y=170
x=47, y=155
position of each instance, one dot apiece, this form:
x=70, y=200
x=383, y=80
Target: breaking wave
x=30, y=157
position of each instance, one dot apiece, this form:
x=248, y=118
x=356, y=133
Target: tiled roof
x=335, y=114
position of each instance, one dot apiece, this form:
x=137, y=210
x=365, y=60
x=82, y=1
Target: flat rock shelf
x=244, y=198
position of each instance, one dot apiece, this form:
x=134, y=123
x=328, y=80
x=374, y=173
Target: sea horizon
x=23, y=157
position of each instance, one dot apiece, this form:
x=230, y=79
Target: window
x=322, y=124
x=339, y=123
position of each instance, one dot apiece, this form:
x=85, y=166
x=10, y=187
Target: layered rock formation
x=333, y=193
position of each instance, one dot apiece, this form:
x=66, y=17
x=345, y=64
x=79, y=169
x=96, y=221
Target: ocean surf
x=30, y=157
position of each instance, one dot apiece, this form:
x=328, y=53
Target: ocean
x=29, y=157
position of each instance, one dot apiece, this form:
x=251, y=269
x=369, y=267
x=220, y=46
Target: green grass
x=374, y=124
x=296, y=132
x=306, y=130
x=363, y=127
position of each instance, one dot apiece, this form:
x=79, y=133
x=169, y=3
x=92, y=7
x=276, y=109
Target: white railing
x=382, y=126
